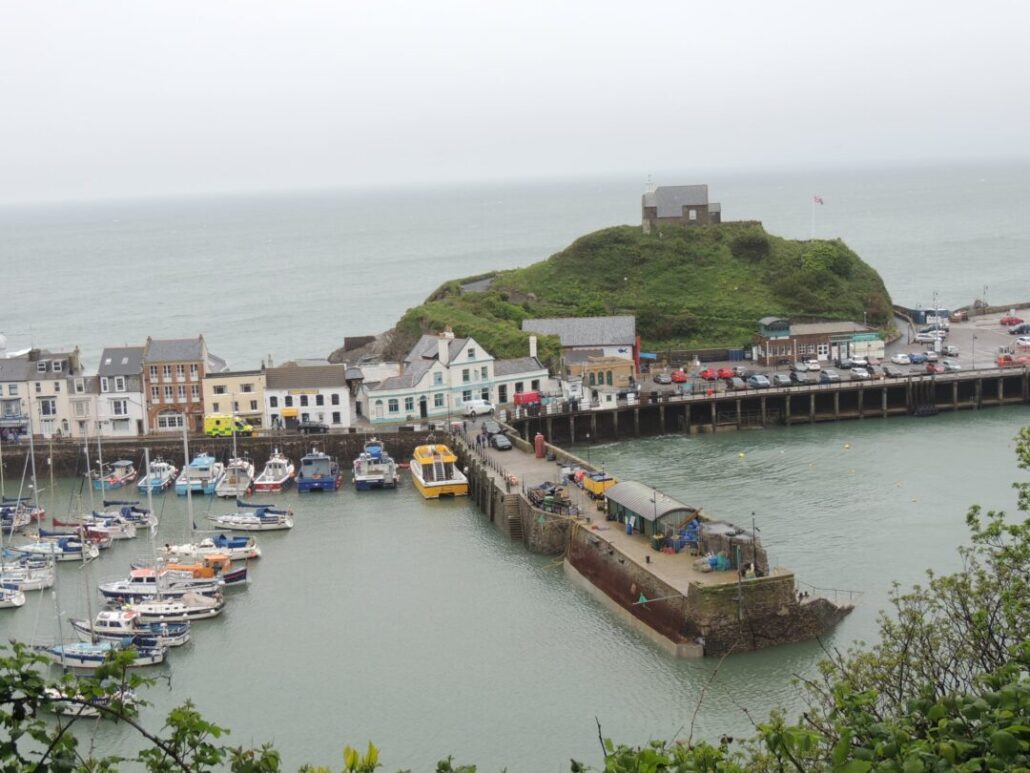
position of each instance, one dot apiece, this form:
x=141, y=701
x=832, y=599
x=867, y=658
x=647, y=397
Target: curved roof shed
x=648, y=503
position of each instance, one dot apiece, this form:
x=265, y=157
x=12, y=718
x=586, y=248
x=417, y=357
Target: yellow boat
x=434, y=469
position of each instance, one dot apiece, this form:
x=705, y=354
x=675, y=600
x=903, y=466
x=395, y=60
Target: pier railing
x=838, y=593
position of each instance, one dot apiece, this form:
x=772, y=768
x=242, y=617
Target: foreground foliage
x=945, y=688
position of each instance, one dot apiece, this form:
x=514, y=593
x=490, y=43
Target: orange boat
x=211, y=566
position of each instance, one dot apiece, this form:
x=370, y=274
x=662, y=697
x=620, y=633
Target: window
x=80, y=386
x=220, y=389
x=169, y=420
x=438, y=379
x=465, y=376
x=180, y=372
x=319, y=400
x=502, y=393
x=535, y=385
x=235, y=407
x=438, y=400
x=120, y=407
x=182, y=392
x=168, y=394
x=336, y=417
x=166, y=372
x=409, y=404
x=288, y=401
x=305, y=417
x=195, y=392
x=273, y=401
x=248, y=387
x=125, y=360
x=253, y=405
x=119, y=383
x=392, y=405
x=472, y=352
x=57, y=366
x=39, y=388
x=590, y=379
x=155, y=393
x=80, y=408
x=48, y=407
x=153, y=372
x=193, y=370
x=57, y=387
x=466, y=395
x=483, y=374
x=303, y=401
x=692, y=214
x=485, y=394
x=12, y=390
x=519, y=387
x=216, y=408
x=41, y=366
x=608, y=378
x=335, y=398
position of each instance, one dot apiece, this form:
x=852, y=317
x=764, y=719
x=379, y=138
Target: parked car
x=950, y=350
x=799, y=367
x=901, y=358
x=859, y=362
x=500, y=442
x=800, y=377
x=780, y=379
x=736, y=382
x=860, y=374
x=491, y=427
x=662, y=378
x=925, y=338
x=844, y=364
x=1023, y=342
x=758, y=381
x=813, y=364
x=950, y=365
x=709, y=374
x=312, y=427
x=932, y=356
x=726, y=373
x=744, y=373
x=934, y=367
x=829, y=377
x=475, y=408
x=1008, y=319
x=1020, y=330
x=679, y=376
x=917, y=358
x=890, y=371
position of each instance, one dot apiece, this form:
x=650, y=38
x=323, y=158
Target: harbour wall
x=721, y=411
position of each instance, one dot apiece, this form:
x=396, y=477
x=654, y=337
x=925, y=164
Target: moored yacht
x=434, y=470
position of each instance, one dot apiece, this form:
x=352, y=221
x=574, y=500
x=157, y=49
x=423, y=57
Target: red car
x=934, y=367
x=709, y=374
x=1010, y=320
x=679, y=377
x=726, y=373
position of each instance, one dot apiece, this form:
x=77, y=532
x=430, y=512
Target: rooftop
x=586, y=331
x=121, y=361
x=516, y=366
x=306, y=376
x=818, y=328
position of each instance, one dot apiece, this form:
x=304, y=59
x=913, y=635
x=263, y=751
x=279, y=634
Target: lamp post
x=588, y=449
x=974, y=352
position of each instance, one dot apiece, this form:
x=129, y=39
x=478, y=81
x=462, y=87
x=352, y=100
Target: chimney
x=443, y=349
x=532, y=346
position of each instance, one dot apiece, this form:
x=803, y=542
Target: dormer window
x=57, y=366
x=41, y=366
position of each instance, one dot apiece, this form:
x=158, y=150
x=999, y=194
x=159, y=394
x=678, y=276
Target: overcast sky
x=108, y=99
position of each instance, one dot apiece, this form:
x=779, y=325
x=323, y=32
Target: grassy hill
x=702, y=286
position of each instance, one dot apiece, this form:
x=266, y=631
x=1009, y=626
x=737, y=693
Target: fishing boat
x=237, y=548
x=63, y=549
x=11, y=597
x=74, y=704
x=148, y=582
x=184, y=609
x=119, y=624
x=318, y=472
x=201, y=476
x=160, y=475
x=238, y=479
x=117, y=475
x=276, y=475
x=93, y=654
x=252, y=517
x=434, y=470
x=374, y=468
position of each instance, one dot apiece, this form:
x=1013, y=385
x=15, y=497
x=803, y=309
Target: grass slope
x=703, y=286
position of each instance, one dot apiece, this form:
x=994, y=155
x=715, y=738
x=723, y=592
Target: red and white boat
x=277, y=474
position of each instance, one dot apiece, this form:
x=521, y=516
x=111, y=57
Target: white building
x=295, y=393
x=121, y=404
x=47, y=393
x=440, y=374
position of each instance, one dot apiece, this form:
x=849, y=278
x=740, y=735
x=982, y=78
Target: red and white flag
x=817, y=200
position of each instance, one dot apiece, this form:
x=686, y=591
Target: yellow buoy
x=741, y=455
x=847, y=445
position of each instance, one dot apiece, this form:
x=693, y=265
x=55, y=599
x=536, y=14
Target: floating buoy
x=741, y=455
x=847, y=445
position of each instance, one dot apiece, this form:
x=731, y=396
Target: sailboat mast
x=100, y=462
x=189, y=485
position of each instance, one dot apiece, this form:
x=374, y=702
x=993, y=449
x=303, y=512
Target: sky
x=106, y=99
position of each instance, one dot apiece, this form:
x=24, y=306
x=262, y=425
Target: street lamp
x=588, y=449
x=974, y=352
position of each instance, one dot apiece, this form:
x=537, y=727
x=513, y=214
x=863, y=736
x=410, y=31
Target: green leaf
x=1005, y=744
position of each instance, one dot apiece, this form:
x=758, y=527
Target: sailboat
x=254, y=517
x=20, y=572
x=11, y=598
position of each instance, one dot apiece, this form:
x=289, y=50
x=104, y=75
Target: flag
x=817, y=200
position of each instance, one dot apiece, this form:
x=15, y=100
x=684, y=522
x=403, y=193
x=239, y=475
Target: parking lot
x=978, y=341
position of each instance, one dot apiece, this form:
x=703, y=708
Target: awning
x=648, y=356
x=289, y=413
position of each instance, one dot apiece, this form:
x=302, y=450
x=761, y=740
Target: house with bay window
x=121, y=407
x=173, y=371
x=440, y=374
x=295, y=393
x=46, y=393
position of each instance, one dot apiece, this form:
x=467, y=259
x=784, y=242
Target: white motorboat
x=190, y=607
x=201, y=476
x=238, y=479
x=28, y=575
x=77, y=705
x=11, y=598
x=374, y=468
x=277, y=474
x=237, y=548
x=119, y=624
x=160, y=475
x=147, y=582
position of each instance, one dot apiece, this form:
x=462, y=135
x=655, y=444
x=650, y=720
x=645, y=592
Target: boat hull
x=240, y=524
x=371, y=483
x=165, y=634
x=155, y=485
x=84, y=656
x=442, y=489
x=273, y=485
x=328, y=483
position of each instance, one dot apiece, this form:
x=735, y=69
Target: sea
x=417, y=625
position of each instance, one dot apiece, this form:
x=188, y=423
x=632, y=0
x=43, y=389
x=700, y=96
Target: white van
x=475, y=408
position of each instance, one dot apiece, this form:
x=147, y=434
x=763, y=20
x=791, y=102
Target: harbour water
x=417, y=625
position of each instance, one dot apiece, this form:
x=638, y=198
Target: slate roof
x=640, y=499
x=16, y=368
x=821, y=328
x=586, y=331
x=516, y=366
x=428, y=347
x=672, y=198
x=121, y=361
x=306, y=377
x=408, y=379
x=582, y=355
x=766, y=321
x=174, y=350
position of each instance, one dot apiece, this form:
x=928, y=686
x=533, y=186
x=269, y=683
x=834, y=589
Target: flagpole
x=812, y=233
